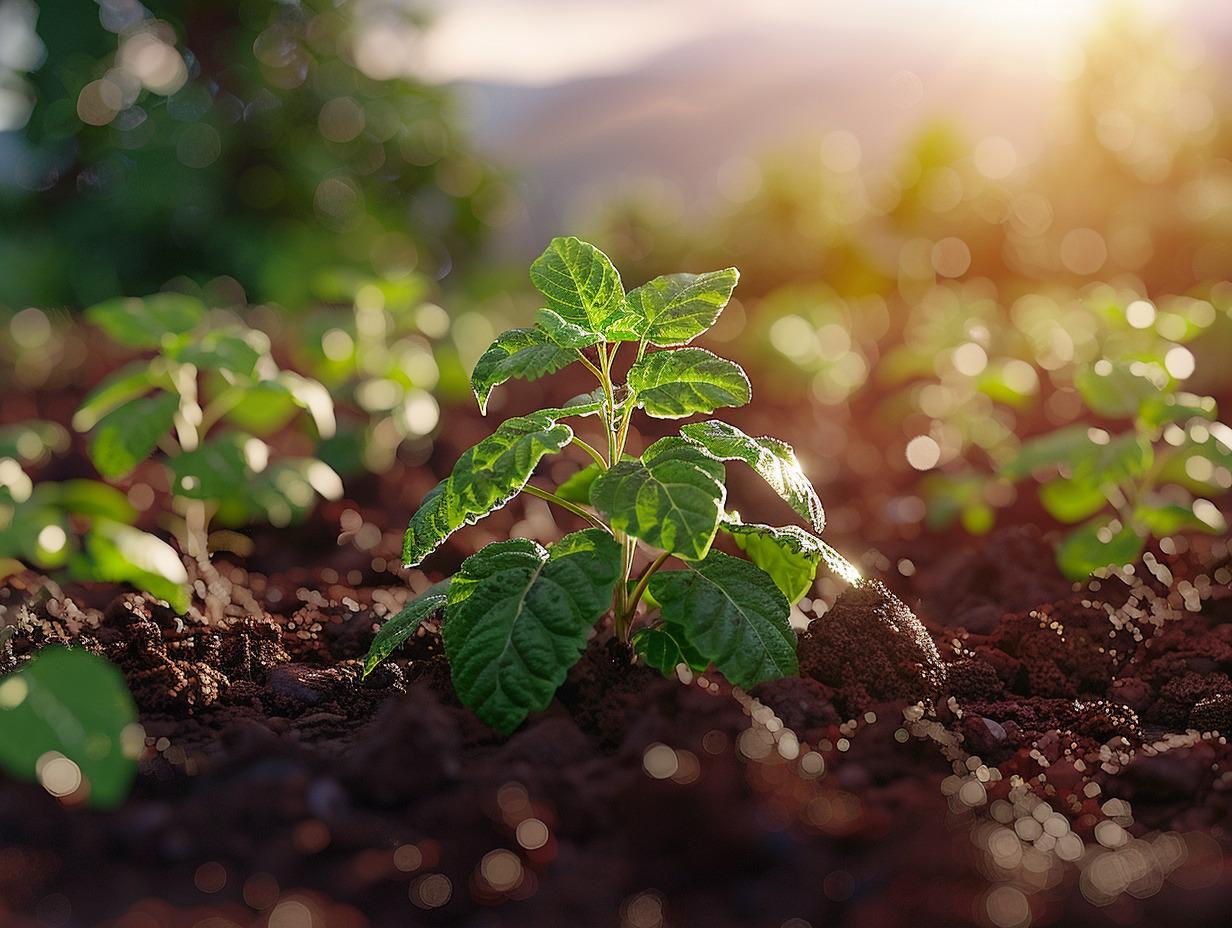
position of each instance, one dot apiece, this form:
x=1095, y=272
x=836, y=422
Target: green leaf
x=565, y=334
x=142, y=323
x=400, y=627
x=675, y=384
x=774, y=461
x=1163, y=408
x=1116, y=393
x=93, y=499
x=74, y=704
x=675, y=309
x=125, y=436
x=1065, y=444
x=128, y=383
x=1083, y=550
x=733, y=615
x=1093, y=463
x=525, y=353
x=577, y=488
x=233, y=350
x=1072, y=500
x=1166, y=519
x=580, y=284
x=672, y=498
x=119, y=553
x=665, y=647
x=483, y=480
x=789, y=554
x=518, y=618
x=217, y=469
x=281, y=494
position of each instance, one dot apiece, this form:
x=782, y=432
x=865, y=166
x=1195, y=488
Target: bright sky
x=537, y=42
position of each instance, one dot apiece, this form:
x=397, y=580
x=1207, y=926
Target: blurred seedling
x=208, y=386
x=517, y=615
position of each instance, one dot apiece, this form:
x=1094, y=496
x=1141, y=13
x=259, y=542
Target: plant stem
x=591, y=451
x=624, y=621
x=566, y=504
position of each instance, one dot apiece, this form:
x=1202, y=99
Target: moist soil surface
x=978, y=741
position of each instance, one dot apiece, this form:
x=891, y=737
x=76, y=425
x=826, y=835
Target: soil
x=974, y=741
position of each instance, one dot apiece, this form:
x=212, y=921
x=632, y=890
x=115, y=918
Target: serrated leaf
x=563, y=333
x=524, y=353
x=672, y=498
x=1116, y=393
x=125, y=436
x=679, y=383
x=733, y=615
x=142, y=322
x=789, y=554
x=580, y=284
x=1083, y=551
x=128, y=383
x=120, y=553
x=401, y=626
x=75, y=704
x=483, y=480
x=520, y=617
x=773, y=460
x=664, y=648
x=675, y=309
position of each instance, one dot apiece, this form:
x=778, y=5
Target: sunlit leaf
x=142, y=322
x=732, y=613
x=1083, y=550
x=679, y=383
x=773, y=460
x=234, y=351
x=675, y=309
x=789, y=554
x=580, y=284
x=483, y=480
x=120, y=553
x=399, y=627
x=1072, y=500
x=672, y=498
x=128, y=383
x=125, y=436
x=518, y=618
x=525, y=353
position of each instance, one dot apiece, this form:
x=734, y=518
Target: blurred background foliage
x=934, y=311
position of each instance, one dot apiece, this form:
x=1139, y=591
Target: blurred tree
x=265, y=142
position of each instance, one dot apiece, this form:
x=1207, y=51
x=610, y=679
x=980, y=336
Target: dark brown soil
x=1059, y=766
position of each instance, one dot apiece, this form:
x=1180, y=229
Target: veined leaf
x=675, y=309
x=733, y=615
x=75, y=704
x=789, y=554
x=125, y=436
x=774, y=460
x=142, y=323
x=674, y=384
x=518, y=617
x=563, y=333
x=665, y=647
x=524, y=353
x=485, y=478
x=671, y=498
x=401, y=626
x=1094, y=545
x=580, y=284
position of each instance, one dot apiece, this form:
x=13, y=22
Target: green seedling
x=1150, y=480
x=516, y=616
x=210, y=384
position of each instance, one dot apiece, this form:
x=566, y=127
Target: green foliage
x=205, y=366
x=517, y=615
x=69, y=722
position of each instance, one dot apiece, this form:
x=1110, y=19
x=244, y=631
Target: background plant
x=202, y=399
x=517, y=615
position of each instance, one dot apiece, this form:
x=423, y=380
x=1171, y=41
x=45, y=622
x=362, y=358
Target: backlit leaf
x=774, y=461
x=1114, y=392
x=518, y=618
x=483, y=480
x=732, y=613
x=789, y=554
x=119, y=553
x=675, y=309
x=671, y=498
x=674, y=384
x=1084, y=550
x=580, y=284
x=524, y=353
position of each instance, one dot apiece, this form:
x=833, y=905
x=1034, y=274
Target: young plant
x=517, y=615
x=211, y=379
